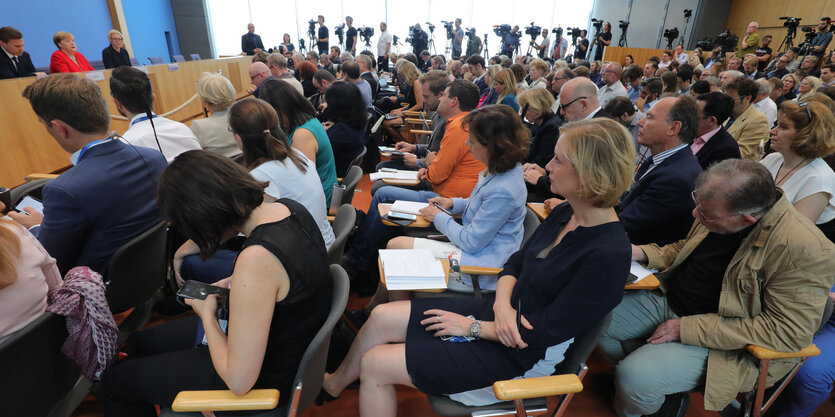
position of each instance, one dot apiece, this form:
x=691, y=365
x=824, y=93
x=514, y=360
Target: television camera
x=366, y=33
x=470, y=32
x=311, y=28
x=623, y=24
x=725, y=40
x=533, y=31
x=449, y=30
x=670, y=35
x=597, y=23
x=340, y=33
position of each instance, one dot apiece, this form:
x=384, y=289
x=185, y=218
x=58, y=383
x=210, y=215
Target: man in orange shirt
x=453, y=173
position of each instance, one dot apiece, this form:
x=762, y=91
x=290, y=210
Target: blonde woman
x=216, y=94
x=409, y=84
x=538, y=102
x=490, y=97
x=807, y=88
x=115, y=55
x=538, y=71
x=505, y=85
x=789, y=83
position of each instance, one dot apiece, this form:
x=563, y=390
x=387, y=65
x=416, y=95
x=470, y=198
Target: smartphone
x=29, y=201
x=6, y=199
x=199, y=291
x=403, y=216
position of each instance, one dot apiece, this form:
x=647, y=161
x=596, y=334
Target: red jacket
x=60, y=62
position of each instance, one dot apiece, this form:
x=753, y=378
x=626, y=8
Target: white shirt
x=174, y=137
x=606, y=93
x=811, y=179
x=562, y=44
x=769, y=108
x=547, y=42
x=385, y=38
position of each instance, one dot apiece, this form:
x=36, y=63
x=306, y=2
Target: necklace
x=783, y=178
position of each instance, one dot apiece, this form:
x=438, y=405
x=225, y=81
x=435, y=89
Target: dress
x=325, y=164
x=167, y=361
x=564, y=292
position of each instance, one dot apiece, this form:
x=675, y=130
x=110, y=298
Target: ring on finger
x=439, y=318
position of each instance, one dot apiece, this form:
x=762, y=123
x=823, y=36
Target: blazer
x=544, y=140
x=375, y=85
x=658, y=208
x=60, y=62
x=7, y=67
x=492, y=221
x=749, y=129
x=250, y=42
x=720, y=147
x=88, y=216
x=213, y=134
x=113, y=59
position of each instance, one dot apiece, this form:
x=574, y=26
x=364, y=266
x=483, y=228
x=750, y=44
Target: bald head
x=258, y=72
x=611, y=73
x=578, y=99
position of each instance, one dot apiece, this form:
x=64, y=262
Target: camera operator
x=560, y=46
x=457, y=39
x=750, y=42
x=542, y=47
x=420, y=40
x=473, y=44
x=582, y=46
x=824, y=36
x=350, y=36
x=383, y=47
x=603, y=40
x=510, y=41
x=322, y=37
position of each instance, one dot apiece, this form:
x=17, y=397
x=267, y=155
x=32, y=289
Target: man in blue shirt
x=457, y=39
x=821, y=41
x=510, y=41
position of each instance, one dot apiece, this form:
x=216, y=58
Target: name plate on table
x=173, y=66
x=95, y=75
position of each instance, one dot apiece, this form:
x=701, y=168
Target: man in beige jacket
x=752, y=270
x=748, y=125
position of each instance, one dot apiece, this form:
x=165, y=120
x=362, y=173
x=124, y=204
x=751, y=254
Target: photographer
x=383, y=47
x=474, y=44
x=542, y=47
x=510, y=41
x=350, y=36
x=458, y=37
x=824, y=36
x=322, y=37
x=420, y=40
x=582, y=46
x=603, y=40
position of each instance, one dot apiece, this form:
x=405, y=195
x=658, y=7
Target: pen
x=442, y=209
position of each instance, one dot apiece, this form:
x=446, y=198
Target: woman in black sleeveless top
x=280, y=293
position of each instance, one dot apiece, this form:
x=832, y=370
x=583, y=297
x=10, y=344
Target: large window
x=272, y=19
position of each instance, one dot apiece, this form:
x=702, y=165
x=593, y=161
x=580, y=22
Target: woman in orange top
x=67, y=58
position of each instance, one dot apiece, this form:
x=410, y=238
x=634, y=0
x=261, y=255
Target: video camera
x=311, y=28
x=671, y=34
x=597, y=23
x=394, y=40
x=725, y=40
x=623, y=24
x=340, y=32
x=533, y=30
x=470, y=32
x=790, y=22
x=501, y=30
x=688, y=13
x=365, y=33
x=449, y=31
x=431, y=27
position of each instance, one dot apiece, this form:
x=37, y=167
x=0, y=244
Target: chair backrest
x=352, y=178
x=155, y=60
x=358, y=159
x=31, y=188
x=195, y=57
x=97, y=65
x=178, y=58
x=580, y=350
x=137, y=270
x=308, y=381
x=134, y=62
x=343, y=223
x=530, y=224
x=38, y=376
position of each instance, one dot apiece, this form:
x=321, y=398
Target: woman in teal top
x=304, y=131
x=505, y=85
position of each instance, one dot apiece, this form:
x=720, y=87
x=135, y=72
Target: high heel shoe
x=324, y=397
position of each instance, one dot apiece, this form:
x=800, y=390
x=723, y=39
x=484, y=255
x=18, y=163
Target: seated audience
x=827, y=76
x=549, y=278
x=780, y=68
x=216, y=94
x=807, y=88
x=776, y=91
x=352, y=76
x=366, y=65
x=789, y=84
x=491, y=95
x=632, y=78
x=805, y=134
x=259, y=73
x=694, y=333
x=27, y=273
x=651, y=89
x=561, y=76
x=713, y=143
x=306, y=71
x=808, y=67
x=67, y=58
x=519, y=75
x=278, y=68
x=130, y=89
x=727, y=76
x=622, y=110
x=279, y=294
x=304, y=131
x=346, y=128
x=546, y=125
x=108, y=197
x=538, y=71
x=409, y=84
x=15, y=62
x=670, y=81
x=612, y=86
x=747, y=125
x=763, y=101
x=505, y=86
x=700, y=87
x=685, y=78
x=115, y=55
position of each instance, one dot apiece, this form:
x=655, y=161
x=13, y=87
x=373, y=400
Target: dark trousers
x=382, y=63
x=162, y=361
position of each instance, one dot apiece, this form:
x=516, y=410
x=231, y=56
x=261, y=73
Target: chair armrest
x=479, y=270
x=331, y=218
x=39, y=176
x=545, y=386
x=223, y=400
x=760, y=352
x=421, y=132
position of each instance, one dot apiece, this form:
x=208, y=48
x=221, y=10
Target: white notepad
x=399, y=175
x=409, y=207
x=639, y=272
x=411, y=269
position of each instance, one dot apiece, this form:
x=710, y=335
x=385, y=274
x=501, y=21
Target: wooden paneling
x=767, y=13
x=28, y=148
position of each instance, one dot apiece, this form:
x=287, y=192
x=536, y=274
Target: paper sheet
x=399, y=175
x=639, y=272
x=409, y=269
x=408, y=207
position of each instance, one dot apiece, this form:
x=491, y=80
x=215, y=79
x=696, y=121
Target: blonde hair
x=410, y=72
x=9, y=253
x=60, y=36
x=541, y=65
x=114, y=32
x=216, y=90
x=602, y=153
x=538, y=99
x=506, y=76
x=815, y=138
x=816, y=84
x=492, y=71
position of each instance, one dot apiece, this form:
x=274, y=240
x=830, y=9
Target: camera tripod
x=622, y=41
x=531, y=47
x=684, y=32
x=485, y=52
x=302, y=49
x=788, y=41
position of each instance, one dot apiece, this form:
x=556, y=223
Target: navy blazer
x=543, y=140
x=658, y=208
x=113, y=59
x=7, y=67
x=720, y=147
x=248, y=44
x=103, y=202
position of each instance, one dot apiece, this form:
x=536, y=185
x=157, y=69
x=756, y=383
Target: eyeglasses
x=562, y=108
x=701, y=213
x=252, y=77
x=805, y=105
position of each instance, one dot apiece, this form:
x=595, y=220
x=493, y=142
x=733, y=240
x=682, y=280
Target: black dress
x=563, y=293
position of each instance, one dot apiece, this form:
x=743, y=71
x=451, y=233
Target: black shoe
x=675, y=405
x=604, y=386
x=355, y=318
x=324, y=397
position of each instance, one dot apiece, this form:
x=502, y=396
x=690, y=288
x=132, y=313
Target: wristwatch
x=475, y=329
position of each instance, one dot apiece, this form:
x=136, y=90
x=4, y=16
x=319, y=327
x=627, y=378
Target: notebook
x=411, y=269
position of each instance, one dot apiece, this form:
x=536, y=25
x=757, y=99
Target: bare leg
x=387, y=324
x=382, y=367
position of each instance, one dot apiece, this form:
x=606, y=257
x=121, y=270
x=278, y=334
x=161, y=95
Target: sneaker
x=675, y=405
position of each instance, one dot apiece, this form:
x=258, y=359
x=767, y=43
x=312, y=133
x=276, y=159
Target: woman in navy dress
x=567, y=277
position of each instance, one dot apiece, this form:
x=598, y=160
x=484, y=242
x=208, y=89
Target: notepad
x=408, y=207
x=387, y=149
x=399, y=175
x=638, y=272
x=411, y=269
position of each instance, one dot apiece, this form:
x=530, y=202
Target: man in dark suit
x=250, y=42
x=713, y=143
x=14, y=62
x=108, y=197
x=366, y=65
x=658, y=208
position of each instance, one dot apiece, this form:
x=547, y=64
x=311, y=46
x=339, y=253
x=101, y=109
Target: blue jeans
x=214, y=269
x=367, y=241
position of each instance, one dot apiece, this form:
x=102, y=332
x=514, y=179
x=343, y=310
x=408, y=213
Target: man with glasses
x=560, y=78
x=747, y=125
x=278, y=68
x=780, y=68
x=752, y=270
x=259, y=73
x=613, y=88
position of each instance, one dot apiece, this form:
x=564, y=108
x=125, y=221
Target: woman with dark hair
x=297, y=118
x=280, y=293
x=346, y=128
x=306, y=71
x=603, y=40
x=628, y=60
x=286, y=47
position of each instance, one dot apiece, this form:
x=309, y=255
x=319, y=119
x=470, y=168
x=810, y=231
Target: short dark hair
x=411, y=58
x=351, y=69
x=287, y=102
x=205, y=194
x=633, y=72
x=323, y=74
x=437, y=81
x=262, y=139
x=345, y=104
x=753, y=192
x=8, y=33
x=830, y=67
x=718, y=105
x=71, y=99
x=685, y=72
x=475, y=60
x=500, y=129
x=132, y=88
x=701, y=87
x=619, y=106
x=685, y=111
x=744, y=87
x=654, y=85
x=466, y=92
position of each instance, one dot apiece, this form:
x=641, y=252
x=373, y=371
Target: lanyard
x=141, y=119
x=90, y=145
